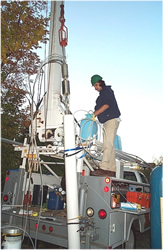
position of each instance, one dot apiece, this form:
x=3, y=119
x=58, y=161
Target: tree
x=23, y=28
x=158, y=161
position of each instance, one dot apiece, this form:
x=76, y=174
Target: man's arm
x=101, y=110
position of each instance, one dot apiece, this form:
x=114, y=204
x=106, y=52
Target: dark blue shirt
x=106, y=96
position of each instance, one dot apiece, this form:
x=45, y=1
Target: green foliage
x=147, y=173
x=23, y=28
x=10, y=160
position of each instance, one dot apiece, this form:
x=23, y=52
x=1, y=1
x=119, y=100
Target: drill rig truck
x=77, y=210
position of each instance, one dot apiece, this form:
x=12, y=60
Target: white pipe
x=71, y=185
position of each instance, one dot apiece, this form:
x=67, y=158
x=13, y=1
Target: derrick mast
x=54, y=123
x=49, y=119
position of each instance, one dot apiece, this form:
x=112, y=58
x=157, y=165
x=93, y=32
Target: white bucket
x=12, y=238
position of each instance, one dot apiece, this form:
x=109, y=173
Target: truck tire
x=63, y=183
x=131, y=243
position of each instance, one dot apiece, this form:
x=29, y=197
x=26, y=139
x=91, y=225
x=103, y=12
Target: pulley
x=63, y=31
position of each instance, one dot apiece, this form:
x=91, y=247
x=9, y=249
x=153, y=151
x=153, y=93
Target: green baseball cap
x=95, y=78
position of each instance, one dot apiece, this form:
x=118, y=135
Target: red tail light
x=7, y=178
x=5, y=198
x=106, y=189
x=43, y=227
x=102, y=214
x=50, y=229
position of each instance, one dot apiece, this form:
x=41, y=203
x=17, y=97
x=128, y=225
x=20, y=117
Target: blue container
x=156, y=187
x=88, y=128
x=117, y=142
x=55, y=201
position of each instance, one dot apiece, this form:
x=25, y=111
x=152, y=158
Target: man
x=108, y=114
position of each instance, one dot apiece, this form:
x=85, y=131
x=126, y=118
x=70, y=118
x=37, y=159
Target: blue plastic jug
x=117, y=142
x=55, y=201
x=88, y=128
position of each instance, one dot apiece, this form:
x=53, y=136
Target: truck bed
x=97, y=193
x=50, y=226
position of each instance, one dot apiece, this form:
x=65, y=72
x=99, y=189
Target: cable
x=90, y=125
x=41, y=192
x=33, y=144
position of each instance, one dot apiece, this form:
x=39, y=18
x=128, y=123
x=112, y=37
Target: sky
x=122, y=42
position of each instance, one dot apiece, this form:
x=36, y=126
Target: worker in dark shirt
x=108, y=114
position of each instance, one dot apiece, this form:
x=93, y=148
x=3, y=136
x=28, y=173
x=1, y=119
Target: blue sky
x=122, y=42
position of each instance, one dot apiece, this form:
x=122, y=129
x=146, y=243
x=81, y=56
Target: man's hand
x=101, y=110
x=93, y=117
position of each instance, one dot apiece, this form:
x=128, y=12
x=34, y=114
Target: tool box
x=140, y=198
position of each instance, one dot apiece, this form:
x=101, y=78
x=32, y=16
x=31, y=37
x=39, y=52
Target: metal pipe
x=11, y=142
x=71, y=185
x=82, y=201
x=121, y=155
x=88, y=164
x=51, y=171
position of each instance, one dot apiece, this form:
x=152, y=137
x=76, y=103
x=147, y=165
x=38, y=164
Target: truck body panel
x=96, y=193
